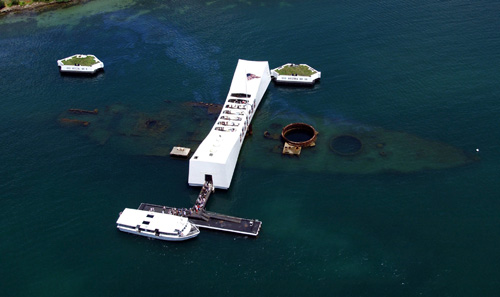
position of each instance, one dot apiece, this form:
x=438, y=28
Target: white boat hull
x=160, y=236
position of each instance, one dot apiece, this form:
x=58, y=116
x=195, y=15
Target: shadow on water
x=96, y=75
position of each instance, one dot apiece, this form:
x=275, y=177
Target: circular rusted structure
x=299, y=134
x=346, y=145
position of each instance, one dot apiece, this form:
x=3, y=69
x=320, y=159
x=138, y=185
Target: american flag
x=251, y=76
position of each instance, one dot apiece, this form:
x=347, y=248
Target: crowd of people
x=198, y=206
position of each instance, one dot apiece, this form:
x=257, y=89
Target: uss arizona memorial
x=211, y=166
x=216, y=157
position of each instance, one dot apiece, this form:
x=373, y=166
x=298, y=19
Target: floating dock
x=212, y=220
x=201, y=218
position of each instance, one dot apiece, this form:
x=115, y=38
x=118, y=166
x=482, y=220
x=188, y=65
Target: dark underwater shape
x=375, y=150
x=381, y=150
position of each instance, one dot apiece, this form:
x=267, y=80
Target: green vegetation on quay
x=10, y=3
x=76, y=60
x=300, y=70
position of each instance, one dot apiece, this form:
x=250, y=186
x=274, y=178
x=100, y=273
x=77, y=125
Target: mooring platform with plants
x=295, y=74
x=85, y=64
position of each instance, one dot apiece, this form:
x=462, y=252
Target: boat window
x=240, y=95
x=125, y=226
x=150, y=216
x=238, y=101
x=167, y=233
x=145, y=222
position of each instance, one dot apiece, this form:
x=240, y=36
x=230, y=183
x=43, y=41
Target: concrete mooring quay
x=206, y=219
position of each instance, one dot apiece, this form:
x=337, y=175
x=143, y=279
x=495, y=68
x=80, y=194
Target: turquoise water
x=429, y=68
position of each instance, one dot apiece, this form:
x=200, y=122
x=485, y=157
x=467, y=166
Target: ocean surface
x=425, y=68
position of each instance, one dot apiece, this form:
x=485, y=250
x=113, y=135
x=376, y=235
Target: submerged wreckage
x=331, y=148
x=339, y=147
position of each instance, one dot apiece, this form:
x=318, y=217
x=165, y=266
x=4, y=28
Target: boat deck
x=212, y=220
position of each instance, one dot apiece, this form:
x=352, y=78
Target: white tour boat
x=156, y=225
x=216, y=157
